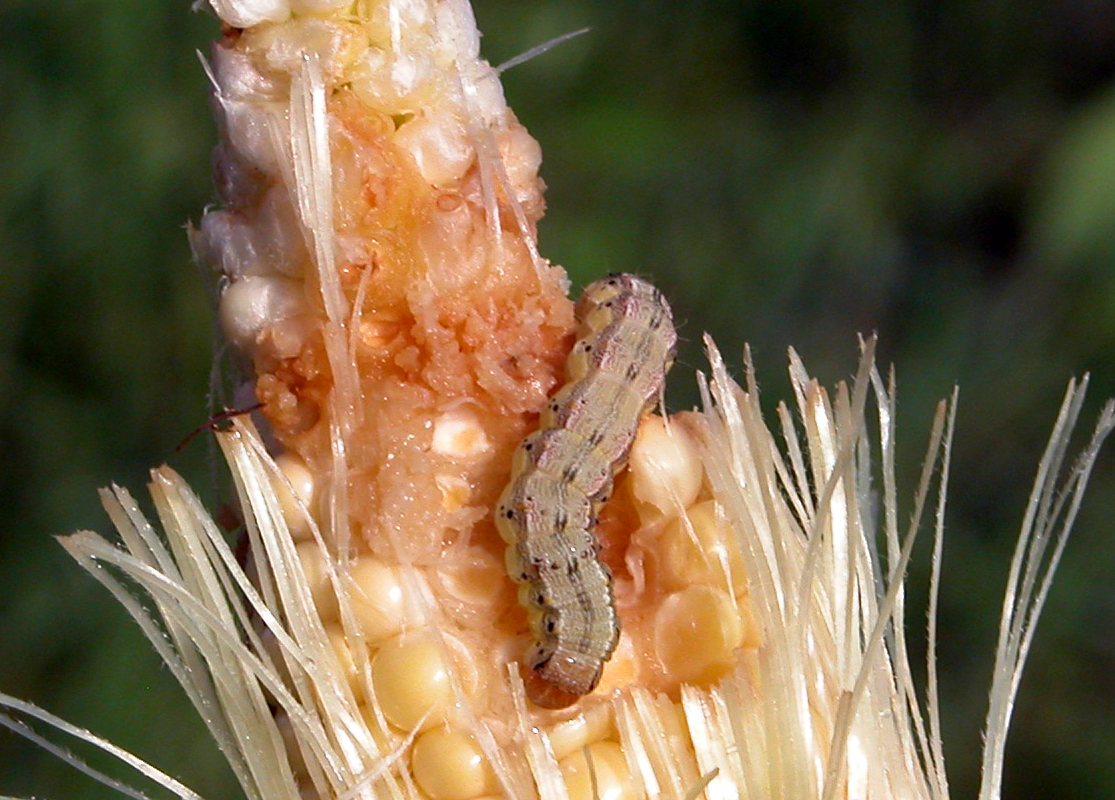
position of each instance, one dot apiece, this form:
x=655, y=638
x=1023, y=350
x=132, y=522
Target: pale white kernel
x=334, y=44
x=226, y=244
x=250, y=305
x=245, y=13
x=439, y=145
x=522, y=156
x=456, y=26
x=458, y=434
x=411, y=681
x=700, y=547
x=278, y=234
x=248, y=129
x=238, y=77
x=696, y=632
x=377, y=598
x=449, y=765
x=613, y=778
x=665, y=467
x=393, y=84
x=300, y=479
x=382, y=18
x=315, y=567
x=591, y=725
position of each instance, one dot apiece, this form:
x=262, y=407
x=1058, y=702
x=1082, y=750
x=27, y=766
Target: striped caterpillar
x=563, y=472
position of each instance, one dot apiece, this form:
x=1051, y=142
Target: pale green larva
x=563, y=471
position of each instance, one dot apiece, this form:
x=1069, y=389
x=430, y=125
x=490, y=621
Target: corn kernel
x=439, y=145
x=334, y=44
x=317, y=578
x=696, y=632
x=702, y=551
x=476, y=579
x=318, y=6
x=623, y=668
x=591, y=725
x=377, y=598
x=449, y=765
x=613, y=779
x=378, y=333
x=301, y=480
x=411, y=681
x=455, y=491
x=252, y=304
x=244, y=15
x=350, y=668
x=458, y=434
x=665, y=468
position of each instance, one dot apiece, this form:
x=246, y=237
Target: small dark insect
x=216, y=423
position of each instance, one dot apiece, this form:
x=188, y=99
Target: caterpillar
x=563, y=472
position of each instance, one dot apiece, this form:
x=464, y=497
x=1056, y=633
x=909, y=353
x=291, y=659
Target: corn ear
x=376, y=239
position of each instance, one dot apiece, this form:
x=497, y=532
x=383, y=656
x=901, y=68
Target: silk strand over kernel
x=563, y=472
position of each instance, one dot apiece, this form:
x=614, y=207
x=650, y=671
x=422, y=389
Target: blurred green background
x=790, y=172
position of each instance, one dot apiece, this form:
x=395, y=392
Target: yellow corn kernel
x=449, y=765
x=346, y=658
x=700, y=547
x=315, y=567
x=376, y=595
x=603, y=761
x=696, y=632
x=301, y=481
x=411, y=681
x=591, y=725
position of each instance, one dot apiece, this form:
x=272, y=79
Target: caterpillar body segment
x=563, y=471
